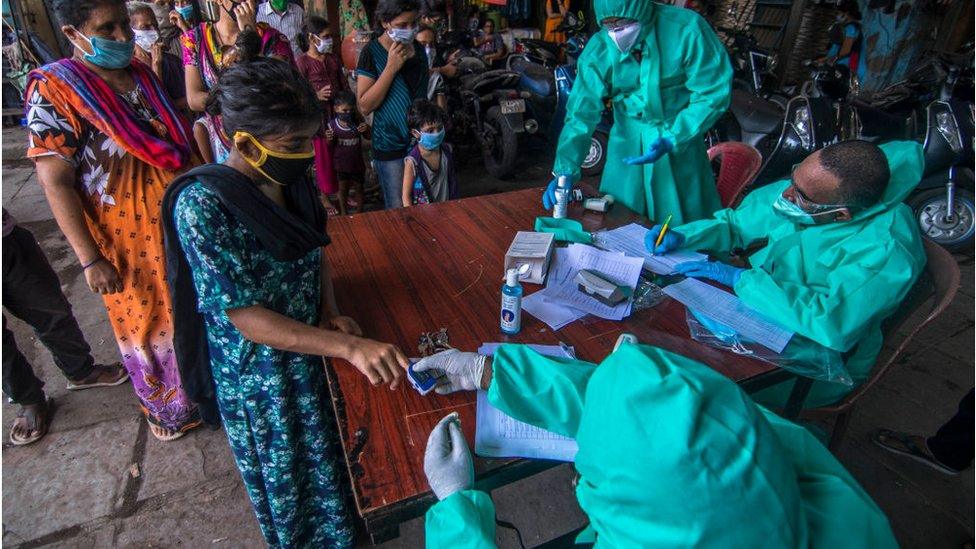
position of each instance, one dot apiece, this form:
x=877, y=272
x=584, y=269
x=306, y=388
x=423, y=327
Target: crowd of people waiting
x=206, y=241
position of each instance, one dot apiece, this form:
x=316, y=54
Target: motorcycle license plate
x=512, y=106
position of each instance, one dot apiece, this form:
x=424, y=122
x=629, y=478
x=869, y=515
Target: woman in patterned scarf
x=107, y=141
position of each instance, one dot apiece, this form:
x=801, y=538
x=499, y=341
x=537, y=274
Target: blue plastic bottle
x=511, y=317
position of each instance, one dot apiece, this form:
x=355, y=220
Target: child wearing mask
x=345, y=134
x=323, y=71
x=151, y=51
x=428, y=171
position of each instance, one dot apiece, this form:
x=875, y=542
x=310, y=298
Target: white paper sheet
x=539, y=305
x=629, y=240
x=731, y=311
x=500, y=435
x=616, y=267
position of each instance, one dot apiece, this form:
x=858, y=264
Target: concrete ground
x=99, y=479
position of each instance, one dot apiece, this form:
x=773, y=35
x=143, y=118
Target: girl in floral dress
x=252, y=285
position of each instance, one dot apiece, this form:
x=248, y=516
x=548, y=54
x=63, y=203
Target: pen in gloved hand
x=664, y=229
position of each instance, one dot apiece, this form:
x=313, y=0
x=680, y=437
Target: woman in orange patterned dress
x=107, y=141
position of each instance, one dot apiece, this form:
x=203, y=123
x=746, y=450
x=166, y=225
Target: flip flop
x=903, y=445
x=41, y=421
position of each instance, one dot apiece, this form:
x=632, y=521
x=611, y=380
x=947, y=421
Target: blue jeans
x=390, y=174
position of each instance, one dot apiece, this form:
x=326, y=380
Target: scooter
x=943, y=201
x=546, y=92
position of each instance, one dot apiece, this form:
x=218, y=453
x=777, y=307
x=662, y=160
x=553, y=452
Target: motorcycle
x=547, y=54
x=487, y=112
x=546, y=92
x=943, y=201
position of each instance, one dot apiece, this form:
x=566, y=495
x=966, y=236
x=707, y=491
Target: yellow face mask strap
x=266, y=152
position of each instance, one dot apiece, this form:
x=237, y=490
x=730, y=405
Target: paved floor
x=100, y=480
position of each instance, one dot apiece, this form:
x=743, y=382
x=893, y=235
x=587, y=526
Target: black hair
x=142, y=7
x=76, y=12
x=425, y=28
x=248, y=45
x=263, y=97
x=424, y=112
x=850, y=8
x=314, y=25
x=388, y=10
x=862, y=169
x=344, y=97
x=430, y=8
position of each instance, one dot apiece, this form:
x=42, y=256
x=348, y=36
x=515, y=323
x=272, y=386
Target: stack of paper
x=729, y=310
x=561, y=301
x=629, y=240
x=500, y=435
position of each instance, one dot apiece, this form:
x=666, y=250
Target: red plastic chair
x=739, y=165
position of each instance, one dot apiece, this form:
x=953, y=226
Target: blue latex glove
x=659, y=148
x=672, y=241
x=719, y=272
x=549, y=197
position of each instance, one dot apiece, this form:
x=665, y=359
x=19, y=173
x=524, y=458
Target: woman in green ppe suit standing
x=669, y=80
x=671, y=454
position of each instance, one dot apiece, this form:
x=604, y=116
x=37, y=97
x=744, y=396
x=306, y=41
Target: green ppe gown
x=671, y=454
x=833, y=284
x=678, y=88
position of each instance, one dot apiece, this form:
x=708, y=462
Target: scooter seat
x=755, y=114
x=537, y=79
x=491, y=80
x=878, y=123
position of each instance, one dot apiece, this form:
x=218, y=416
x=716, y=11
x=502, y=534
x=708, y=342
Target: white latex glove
x=447, y=460
x=459, y=371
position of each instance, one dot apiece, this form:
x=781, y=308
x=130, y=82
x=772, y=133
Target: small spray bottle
x=511, y=317
x=564, y=191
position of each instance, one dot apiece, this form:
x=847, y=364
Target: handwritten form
x=500, y=435
x=539, y=305
x=629, y=240
x=731, y=311
x=615, y=267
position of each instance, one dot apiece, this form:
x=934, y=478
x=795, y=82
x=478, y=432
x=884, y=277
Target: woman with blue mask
x=428, y=171
x=392, y=73
x=107, y=140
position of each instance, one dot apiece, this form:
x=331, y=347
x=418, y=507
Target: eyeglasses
x=804, y=201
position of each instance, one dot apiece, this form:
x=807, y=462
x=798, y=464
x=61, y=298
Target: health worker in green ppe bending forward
x=669, y=79
x=671, y=454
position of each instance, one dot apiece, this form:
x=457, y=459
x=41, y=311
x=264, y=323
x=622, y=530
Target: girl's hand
x=177, y=20
x=324, y=93
x=362, y=128
x=330, y=135
x=157, y=55
x=379, y=362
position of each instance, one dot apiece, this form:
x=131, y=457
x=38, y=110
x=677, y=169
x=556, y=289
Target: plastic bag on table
x=801, y=356
x=647, y=294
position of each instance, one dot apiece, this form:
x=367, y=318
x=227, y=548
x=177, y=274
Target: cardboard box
x=533, y=249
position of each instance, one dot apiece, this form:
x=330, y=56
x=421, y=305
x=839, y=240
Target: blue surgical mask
x=625, y=36
x=791, y=212
x=431, y=141
x=108, y=54
x=186, y=12
x=404, y=36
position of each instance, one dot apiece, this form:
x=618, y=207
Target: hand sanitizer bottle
x=563, y=191
x=511, y=318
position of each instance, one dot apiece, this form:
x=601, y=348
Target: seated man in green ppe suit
x=671, y=454
x=842, y=253
x=669, y=79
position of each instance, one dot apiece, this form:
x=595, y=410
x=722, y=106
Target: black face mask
x=345, y=117
x=281, y=168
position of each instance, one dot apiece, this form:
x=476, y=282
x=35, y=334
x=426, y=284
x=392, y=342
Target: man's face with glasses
x=817, y=191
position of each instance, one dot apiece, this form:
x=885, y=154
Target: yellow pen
x=664, y=229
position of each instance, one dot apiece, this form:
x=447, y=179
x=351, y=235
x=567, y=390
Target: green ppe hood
x=671, y=454
x=638, y=10
x=906, y=161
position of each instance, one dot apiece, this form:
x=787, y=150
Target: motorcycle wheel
x=597, y=157
x=501, y=145
x=930, y=211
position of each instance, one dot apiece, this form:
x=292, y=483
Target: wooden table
x=403, y=272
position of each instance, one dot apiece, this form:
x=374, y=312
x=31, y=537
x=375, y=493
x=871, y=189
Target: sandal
x=908, y=445
x=166, y=435
x=35, y=417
